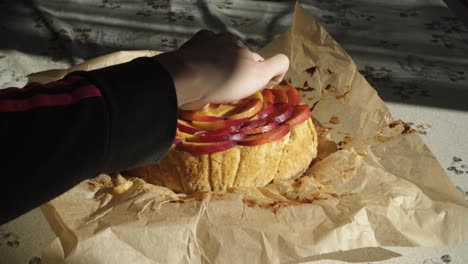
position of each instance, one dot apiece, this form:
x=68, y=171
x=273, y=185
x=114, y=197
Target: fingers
x=275, y=68
x=230, y=70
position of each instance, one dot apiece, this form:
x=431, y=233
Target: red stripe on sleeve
x=30, y=86
x=27, y=88
x=49, y=100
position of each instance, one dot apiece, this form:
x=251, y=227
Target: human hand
x=215, y=68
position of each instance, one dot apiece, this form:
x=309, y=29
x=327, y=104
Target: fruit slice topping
x=206, y=148
x=300, y=114
x=219, y=124
x=268, y=96
x=267, y=137
x=263, y=127
x=281, y=113
x=261, y=118
x=219, y=110
x=201, y=115
x=186, y=127
x=280, y=96
x=293, y=95
x=204, y=137
x=266, y=110
x=246, y=109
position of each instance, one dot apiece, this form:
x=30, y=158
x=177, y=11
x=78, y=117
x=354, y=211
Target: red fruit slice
x=262, y=128
x=186, y=127
x=201, y=115
x=266, y=110
x=206, y=148
x=220, y=110
x=213, y=106
x=216, y=138
x=257, y=95
x=219, y=124
x=280, y=96
x=254, y=123
x=281, y=113
x=293, y=95
x=268, y=96
x=181, y=134
x=246, y=109
x=300, y=114
x=267, y=137
x=222, y=131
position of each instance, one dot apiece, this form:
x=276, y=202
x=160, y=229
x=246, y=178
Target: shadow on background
x=40, y=30
x=67, y=38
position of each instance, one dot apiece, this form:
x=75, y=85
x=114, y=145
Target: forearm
x=56, y=135
x=142, y=104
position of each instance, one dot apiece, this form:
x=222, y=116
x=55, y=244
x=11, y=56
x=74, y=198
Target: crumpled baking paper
x=375, y=183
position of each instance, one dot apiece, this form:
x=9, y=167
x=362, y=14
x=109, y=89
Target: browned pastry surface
x=255, y=166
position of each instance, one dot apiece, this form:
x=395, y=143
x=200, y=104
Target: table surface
x=414, y=53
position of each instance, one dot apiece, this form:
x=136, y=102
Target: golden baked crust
x=255, y=166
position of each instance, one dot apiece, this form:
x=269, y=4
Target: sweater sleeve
x=55, y=135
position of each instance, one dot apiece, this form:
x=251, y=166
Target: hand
x=215, y=68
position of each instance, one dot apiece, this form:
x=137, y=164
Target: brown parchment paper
x=375, y=183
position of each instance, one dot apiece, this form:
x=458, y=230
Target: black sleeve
x=56, y=135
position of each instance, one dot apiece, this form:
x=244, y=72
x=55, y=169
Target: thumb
x=275, y=68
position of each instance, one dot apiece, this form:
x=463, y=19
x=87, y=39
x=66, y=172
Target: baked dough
x=241, y=166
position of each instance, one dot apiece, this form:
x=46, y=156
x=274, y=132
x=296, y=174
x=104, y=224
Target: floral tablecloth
x=414, y=52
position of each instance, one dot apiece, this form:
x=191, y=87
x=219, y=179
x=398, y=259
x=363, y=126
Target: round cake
x=266, y=137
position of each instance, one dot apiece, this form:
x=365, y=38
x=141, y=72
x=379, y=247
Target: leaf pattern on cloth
x=431, y=69
x=343, y=13
x=375, y=75
x=9, y=238
x=409, y=13
x=35, y=260
x=387, y=44
x=407, y=90
x=11, y=78
x=442, y=260
x=442, y=29
x=458, y=166
x=109, y=4
x=404, y=90
x=224, y=4
x=422, y=129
